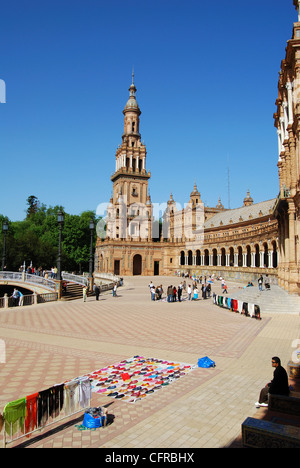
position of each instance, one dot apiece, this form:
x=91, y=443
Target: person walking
x=97, y=292
x=189, y=291
x=21, y=299
x=260, y=283
x=84, y=291
x=179, y=292
x=170, y=293
x=15, y=297
x=203, y=289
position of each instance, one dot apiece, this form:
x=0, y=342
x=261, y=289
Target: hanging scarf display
x=71, y=396
x=14, y=415
x=31, y=412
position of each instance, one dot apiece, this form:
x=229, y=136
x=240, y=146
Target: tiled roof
x=237, y=215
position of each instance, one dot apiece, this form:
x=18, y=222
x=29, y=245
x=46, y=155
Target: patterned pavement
x=51, y=343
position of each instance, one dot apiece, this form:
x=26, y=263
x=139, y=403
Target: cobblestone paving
x=51, y=343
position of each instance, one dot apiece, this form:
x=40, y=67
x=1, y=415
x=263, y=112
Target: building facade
x=287, y=122
x=240, y=244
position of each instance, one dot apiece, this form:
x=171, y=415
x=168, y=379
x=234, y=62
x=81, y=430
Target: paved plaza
x=51, y=343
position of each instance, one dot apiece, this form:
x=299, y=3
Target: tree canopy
x=35, y=239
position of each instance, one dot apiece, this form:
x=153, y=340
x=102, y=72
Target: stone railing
x=12, y=276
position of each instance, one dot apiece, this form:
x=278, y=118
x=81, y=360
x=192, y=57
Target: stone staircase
x=74, y=291
x=275, y=300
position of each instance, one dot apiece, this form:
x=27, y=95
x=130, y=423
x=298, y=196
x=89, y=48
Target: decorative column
x=286, y=119
x=261, y=259
x=280, y=148
x=289, y=87
x=270, y=259
x=291, y=214
x=298, y=9
x=283, y=132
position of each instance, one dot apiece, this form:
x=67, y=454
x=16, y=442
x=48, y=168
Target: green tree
x=33, y=205
x=35, y=239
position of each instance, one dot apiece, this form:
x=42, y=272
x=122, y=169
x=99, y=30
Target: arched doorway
x=248, y=256
x=240, y=256
x=266, y=256
x=231, y=256
x=223, y=257
x=257, y=260
x=137, y=265
x=206, y=257
x=215, y=257
x=182, y=258
x=275, y=256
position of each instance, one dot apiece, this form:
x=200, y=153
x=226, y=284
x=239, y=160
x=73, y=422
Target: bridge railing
x=25, y=277
x=83, y=280
x=30, y=299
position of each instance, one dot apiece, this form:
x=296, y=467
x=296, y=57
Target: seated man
x=278, y=386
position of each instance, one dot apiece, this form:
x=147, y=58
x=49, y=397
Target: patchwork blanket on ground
x=137, y=377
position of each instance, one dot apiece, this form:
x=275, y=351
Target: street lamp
x=4, y=230
x=60, y=220
x=92, y=228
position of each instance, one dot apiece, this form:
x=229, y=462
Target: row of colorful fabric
x=33, y=411
x=238, y=306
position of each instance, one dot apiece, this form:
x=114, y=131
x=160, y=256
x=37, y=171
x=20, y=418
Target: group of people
x=97, y=291
x=261, y=282
x=31, y=270
x=174, y=294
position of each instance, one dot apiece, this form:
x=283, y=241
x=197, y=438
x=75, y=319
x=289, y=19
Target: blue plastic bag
x=90, y=422
x=206, y=362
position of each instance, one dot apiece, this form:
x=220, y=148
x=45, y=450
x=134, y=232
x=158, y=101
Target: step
x=74, y=291
x=275, y=300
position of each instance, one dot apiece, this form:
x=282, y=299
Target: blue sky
x=206, y=74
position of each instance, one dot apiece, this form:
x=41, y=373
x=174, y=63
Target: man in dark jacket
x=278, y=386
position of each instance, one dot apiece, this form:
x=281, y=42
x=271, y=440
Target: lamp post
x=92, y=228
x=60, y=220
x=4, y=230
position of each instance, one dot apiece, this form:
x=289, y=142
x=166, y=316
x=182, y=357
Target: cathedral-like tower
x=130, y=177
x=130, y=211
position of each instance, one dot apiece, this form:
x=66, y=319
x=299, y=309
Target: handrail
x=30, y=299
x=26, y=278
x=75, y=278
x=107, y=276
